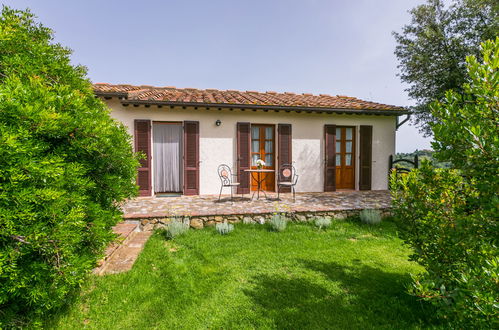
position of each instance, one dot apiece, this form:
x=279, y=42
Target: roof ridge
x=219, y=90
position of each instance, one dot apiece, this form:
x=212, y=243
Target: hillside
x=423, y=154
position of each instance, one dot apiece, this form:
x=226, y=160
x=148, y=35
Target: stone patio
x=207, y=209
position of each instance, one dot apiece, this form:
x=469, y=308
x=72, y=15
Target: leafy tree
x=449, y=217
x=432, y=49
x=64, y=167
x=467, y=132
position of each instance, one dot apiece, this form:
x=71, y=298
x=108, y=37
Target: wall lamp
x=218, y=122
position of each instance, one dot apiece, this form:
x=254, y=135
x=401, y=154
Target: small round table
x=259, y=180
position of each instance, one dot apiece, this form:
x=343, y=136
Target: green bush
x=370, y=216
x=65, y=166
x=452, y=243
x=278, y=222
x=224, y=228
x=322, y=222
x=449, y=217
x=176, y=228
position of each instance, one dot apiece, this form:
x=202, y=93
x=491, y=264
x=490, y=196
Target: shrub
x=176, y=228
x=224, y=228
x=449, y=217
x=65, y=166
x=278, y=222
x=322, y=222
x=370, y=216
x=451, y=241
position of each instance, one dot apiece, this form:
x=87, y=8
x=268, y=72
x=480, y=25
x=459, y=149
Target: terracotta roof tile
x=231, y=97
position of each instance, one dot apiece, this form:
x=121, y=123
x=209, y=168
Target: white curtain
x=167, y=148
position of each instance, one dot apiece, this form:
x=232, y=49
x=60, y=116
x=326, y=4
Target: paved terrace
x=208, y=205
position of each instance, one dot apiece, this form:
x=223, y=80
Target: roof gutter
x=400, y=123
x=265, y=107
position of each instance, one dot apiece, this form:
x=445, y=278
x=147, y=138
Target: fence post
x=416, y=161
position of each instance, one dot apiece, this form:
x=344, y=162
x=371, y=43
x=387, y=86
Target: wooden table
x=259, y=180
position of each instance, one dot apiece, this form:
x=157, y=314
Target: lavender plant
x=322, y=222
x=278, y=222
x=370, y=216
x=176, y=228
x=224, y=228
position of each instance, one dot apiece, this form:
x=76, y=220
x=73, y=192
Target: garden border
x=148, y=223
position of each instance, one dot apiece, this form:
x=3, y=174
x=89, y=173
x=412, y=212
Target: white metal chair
x=287, y=178
x=225, y=175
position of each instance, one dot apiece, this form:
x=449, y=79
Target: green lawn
x=350, y=276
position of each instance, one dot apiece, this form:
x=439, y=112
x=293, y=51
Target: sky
x=336, y=47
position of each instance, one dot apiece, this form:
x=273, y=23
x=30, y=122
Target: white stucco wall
x=217, y=145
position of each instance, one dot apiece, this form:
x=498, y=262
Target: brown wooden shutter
x=243, y=157
x=284, y=151
x=330, y=158
x=365, y=155
x=191, y=158
x=143, y=144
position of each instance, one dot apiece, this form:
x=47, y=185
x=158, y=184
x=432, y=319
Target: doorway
x=167, y=157
x=262, y=147
x=345, y=157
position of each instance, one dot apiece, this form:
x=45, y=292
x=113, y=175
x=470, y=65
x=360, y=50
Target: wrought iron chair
x=287, y=178
x=225, y=175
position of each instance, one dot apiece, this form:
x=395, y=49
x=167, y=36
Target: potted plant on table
x=260, y=164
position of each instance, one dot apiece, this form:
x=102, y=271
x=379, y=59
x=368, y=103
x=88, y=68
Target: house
x=334, y=142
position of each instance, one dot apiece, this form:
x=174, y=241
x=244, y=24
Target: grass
x=350, y=276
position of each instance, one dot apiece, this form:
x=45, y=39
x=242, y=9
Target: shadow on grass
x=358, y=296
x=387, y=228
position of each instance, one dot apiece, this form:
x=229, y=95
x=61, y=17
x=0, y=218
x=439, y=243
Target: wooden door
x=365, y=157
x=329, y=158
x=262, y=147
x=284, y=152
x=345, y=157
x=243, y=157
x=191, y=158
x=143, y=144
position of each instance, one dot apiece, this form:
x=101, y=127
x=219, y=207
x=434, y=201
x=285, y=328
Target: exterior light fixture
x=218, y=122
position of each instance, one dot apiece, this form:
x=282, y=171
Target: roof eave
x=386, y=112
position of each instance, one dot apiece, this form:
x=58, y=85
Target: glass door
x=345, y=157
x=262, y=147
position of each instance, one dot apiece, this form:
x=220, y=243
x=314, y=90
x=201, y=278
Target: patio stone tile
x=208, y=205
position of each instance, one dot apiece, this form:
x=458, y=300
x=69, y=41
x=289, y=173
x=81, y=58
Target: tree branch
x=18, y=238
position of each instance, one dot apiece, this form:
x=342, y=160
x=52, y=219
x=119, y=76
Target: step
x=125, y=232
x=125, y=255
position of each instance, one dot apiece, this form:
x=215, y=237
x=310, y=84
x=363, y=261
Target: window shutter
x=243, y=157
x=143, y=144
x=365, y=167
x=191, y=158
x=284, y=151
x=330, y=158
